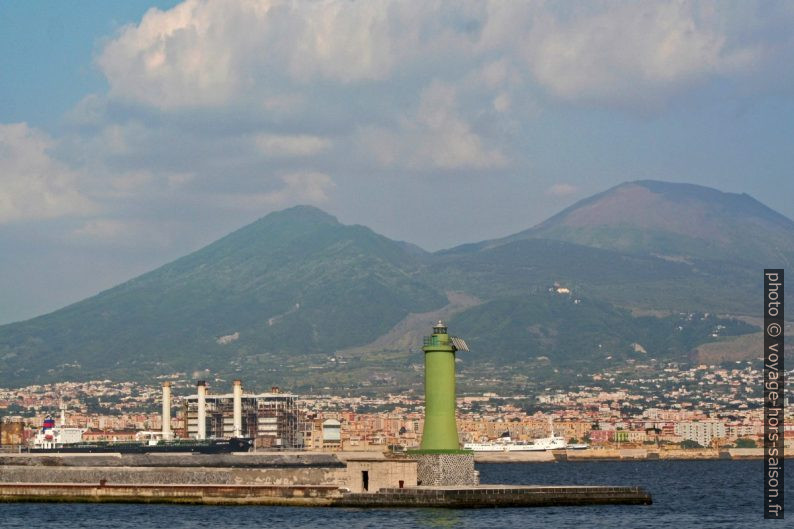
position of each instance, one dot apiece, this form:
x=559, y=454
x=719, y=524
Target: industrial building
x=271, y=419
x=12, y=432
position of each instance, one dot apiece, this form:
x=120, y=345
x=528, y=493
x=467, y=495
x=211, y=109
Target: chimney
x=166, y=410
x=201, y=388
x=238, y=409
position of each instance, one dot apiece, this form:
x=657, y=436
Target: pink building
x=601, y=436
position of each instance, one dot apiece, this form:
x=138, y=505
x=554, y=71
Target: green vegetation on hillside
x=289, y=296
x=566, y=331
x=294, y=283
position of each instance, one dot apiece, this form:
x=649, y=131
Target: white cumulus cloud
x=435, y=135
x=34, y=185
x=632, y=51
x=210, y=53
x=206, y=52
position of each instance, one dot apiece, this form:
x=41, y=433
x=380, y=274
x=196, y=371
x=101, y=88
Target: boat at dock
x=53, y=439
x=506, y=444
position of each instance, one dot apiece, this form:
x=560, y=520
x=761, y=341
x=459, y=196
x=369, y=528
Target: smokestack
x=238, y=408
x=166, y=410
x=201, y=387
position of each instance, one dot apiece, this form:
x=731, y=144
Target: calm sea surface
x=701, y=494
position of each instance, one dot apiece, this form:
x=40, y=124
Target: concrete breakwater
x=298, y=479
x=357, y=473
x=205, y=494
x=499, y=496
x=476, y=496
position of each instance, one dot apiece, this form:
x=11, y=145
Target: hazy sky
x=132, y=133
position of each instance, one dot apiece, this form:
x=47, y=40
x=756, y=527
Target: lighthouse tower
x=440, y=429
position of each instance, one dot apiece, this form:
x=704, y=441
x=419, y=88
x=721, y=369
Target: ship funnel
x=201, y=388
x=238, y=409
x=166, y=417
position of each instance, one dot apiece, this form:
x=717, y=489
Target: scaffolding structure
x=273, y=420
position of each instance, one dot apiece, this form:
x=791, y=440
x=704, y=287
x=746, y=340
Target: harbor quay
x=299, y=479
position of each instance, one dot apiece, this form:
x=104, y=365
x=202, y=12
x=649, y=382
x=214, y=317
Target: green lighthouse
x=440, y=429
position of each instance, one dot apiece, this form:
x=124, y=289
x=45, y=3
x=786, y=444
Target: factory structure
x=272, y=419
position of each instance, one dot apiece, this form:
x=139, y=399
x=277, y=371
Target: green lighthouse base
x=445, y=468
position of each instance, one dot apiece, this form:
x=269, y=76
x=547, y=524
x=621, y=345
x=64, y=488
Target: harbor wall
x=499, y=496
x=174, y=475
x=317, y=496
x=277, y=470
x=162, y=493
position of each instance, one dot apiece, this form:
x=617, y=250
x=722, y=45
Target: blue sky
x=132, y=133
x=48, y=50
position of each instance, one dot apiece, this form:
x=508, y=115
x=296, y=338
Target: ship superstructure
x=506, y=444
x=51, y=436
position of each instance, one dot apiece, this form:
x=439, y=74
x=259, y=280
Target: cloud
x=562, y=190
x=434, y=136
x=215, y=53
x=101, y=229
x=306, y=186
x=287, y=146
x=297, y=187
x=202, y=53
x=632, y=51
x=126, y=233
x=34, y=185
x=257, y=104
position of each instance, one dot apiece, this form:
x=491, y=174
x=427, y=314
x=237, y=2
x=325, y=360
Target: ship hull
x=214, y=446
x=540, y=445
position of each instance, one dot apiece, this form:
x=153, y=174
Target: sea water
x=700, y=494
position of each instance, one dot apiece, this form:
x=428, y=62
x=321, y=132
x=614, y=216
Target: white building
x=702, y=432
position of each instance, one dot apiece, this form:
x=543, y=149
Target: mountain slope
x=295, y=282
x=677, y=221
x=625, y=279
x=574, y=332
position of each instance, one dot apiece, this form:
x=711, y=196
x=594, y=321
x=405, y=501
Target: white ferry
x=506, y=444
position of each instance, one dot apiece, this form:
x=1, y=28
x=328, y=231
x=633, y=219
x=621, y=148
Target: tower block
x=440, y=429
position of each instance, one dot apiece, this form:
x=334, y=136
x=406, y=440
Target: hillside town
x=676, y=407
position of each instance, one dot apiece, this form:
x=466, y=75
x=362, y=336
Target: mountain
x=294, y=282
x=300, y=300
x=675, y=221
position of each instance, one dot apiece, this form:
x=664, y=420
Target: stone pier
x=297, y=479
